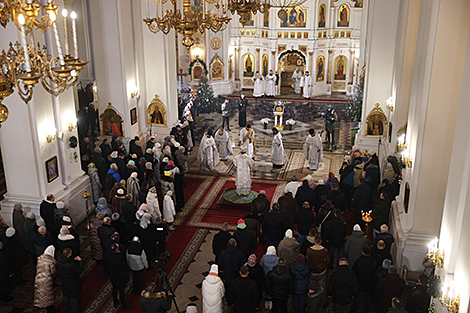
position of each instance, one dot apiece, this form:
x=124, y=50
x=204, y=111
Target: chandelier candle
x=27, y=62
x=66, y=36
x=73, y=15
x=57, y=38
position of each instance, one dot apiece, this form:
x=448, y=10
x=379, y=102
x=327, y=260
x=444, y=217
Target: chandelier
x=22, y=66
x=187, y=19
x=10, y=10
x=243, y=8
x=283, y=4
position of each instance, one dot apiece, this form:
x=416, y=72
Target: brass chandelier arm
x=11, y=9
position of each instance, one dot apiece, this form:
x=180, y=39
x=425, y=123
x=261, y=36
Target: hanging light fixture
x=10, y=10
x=244, y=7
x=187, y=20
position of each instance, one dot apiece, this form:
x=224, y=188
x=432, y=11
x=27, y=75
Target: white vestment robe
x=248, y=143
x=270, y=85
x=277, y=151
x=313, y=150
x=207, y=154
x=258, y=91
x=296, y=76
x=243, y=163
x=307, y=86
x=224, y=144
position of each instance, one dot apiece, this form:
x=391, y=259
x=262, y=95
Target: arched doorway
x=288, y=62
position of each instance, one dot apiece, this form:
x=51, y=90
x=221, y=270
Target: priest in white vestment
x=259, y=90
x=270, y=84
x=243, y=163
x=277, y=151
x=313, y=149
x=247, y=139
x=296, y=76
x=208, y=153
x=307, y=85
x=224, y=144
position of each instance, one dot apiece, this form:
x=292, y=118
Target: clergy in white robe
x=277, y=150
x=207, y=154
x=270, y=84
x=259, y=90
x=296, y=76
x=307, y=85
x=247, y=139
x=313, y=149
x=243, y=163
x=224, y=144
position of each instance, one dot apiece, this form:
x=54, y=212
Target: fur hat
x=134, y=175
x=30, y=215
x=40, y=222
x=115, y=216
x=241, y=224
x=165, y=160
x=321, y=182
x=357, y=227
x=10, y=232
x=114, y=154
x=288, y=233
x=60, y=205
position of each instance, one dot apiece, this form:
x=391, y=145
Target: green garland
x=73, y=142
x=200, y=61
x=300, y=54
x=434, y=286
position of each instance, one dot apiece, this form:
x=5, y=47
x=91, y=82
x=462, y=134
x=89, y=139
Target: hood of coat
x=357, y=233
x=280, y=270
x=92, y=170
x=270, y=258
x=213, y=280
x=289, y=242
x=232, y=250
x=311, y=239
x=301, y=268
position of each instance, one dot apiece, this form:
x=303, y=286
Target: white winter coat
x=154, y=208
x=168, y=209
x=212, y=294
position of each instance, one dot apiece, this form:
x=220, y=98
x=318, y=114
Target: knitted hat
x=30, y=215
x=10, y=232
x=114, y=154
x=102, y=200
x=148, y=165
x=115, y=216
x=241, y=224
x=100, y=215
x=136, y=239
x=170, y=163
x=60, y=205
x=386, y=264
x=300, y=258
x=134, y=175
x=288, y=233
x=214, y=269
x=91, y=165
x=131, y=162
x=357, y=227
x=120, y=191
x=153, y=189
x=17, y=206
x=40, y=222
x=321, y=182
x=271, y=250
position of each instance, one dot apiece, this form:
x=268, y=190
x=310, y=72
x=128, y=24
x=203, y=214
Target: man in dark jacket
x=279, y=285
x=244, y=294
x=301, y=275
x=381, y=212
x=118, y=275
x=220, y=241
x=46, y=210
x=373, y=173
x=104, y=233
x=100, y=164
x=418, y=301
x=380, y=253
x=128, y=211
x=106, y=150
x=305, y=193
x=342, y=286
x=253, y=224
x=245, y=240
x=385, y=236
x=288, y=207
x=41, y=240
x=69, y=272
x=388, y=288
x=260, y=205
x=361, y=202
x=335, y=234
x=305, y=220
x=337, y=198
x=230, y=261
x=309, y=241
x=364, y=268
x=274, y=226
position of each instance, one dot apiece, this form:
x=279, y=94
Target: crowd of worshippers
x=144, y=191
x=317, y=265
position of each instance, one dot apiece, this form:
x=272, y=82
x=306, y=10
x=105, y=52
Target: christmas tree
x=354, y=107
x=207, y=101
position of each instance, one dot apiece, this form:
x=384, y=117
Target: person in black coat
x=16, y=254
x=128, y=212
x=337, y=198
x=245, y=240
x=372, y=171
x=118, y=275
x=260, y=205
x=253, y=225
x=279, y=284
x=305, y=193
x=41, y=240
x=274, y=226
x=69, y=270
x=242, y=103
x=309, y=241
x=381, y=212
x=419, y=299
x=364, y=268
x=335, y=232
x=361, y=202
x=380, y=252
x=47, y=213
x=144, y=190
x=385, y=236
x=301, y=275
x=106, y=151
x=230, y=261
x=121, y=228
x=256, y=273
x=162, y=231
x=134, y=148
x=342, y=286
x=244, y=294
x=220, y=241
x=6, y=276
x=305, y=220
x=105, y=231
x=148, y=235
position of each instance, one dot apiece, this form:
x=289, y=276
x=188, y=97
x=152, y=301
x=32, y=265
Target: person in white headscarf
x=224, y=144
x=169, y=209
x=44, y=296
x=212, y=291
x=313, y=149
x=152, y=202
x=244, y=164
x=207, y=154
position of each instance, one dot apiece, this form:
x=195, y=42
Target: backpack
x=110, y=180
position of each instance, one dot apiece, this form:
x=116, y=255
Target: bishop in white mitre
x=208, y=153
x=247, y=139
x=270, y=84
x=277, y=150
x=296, y=76
x=313, y=149
x=307, y=85
x=243, y=163
x=224, y=144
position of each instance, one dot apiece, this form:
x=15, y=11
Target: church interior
x=75, y=73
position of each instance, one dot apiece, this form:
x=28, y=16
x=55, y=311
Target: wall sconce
x=401, y=142
x=447, y=298
x=49, y=137
x=433, y=255
x=390, y=104
x=135, y=93
x=406, y=159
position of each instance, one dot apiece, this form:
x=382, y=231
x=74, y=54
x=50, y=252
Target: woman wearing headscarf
x=18, y=224
x=96, y=249
x=169, y=209
x=103, y=207
x=149, y=236
x=44, y=282
x=255, y=272
x=269, y=260
x=153, y=205
x=288, y=249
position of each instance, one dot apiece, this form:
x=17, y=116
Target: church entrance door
x=287, y=64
